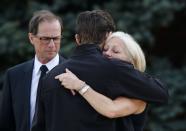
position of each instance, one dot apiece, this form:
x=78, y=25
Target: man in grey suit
x=22, y=81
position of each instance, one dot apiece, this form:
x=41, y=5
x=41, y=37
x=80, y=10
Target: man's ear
x=31, y=38
x=77, y=39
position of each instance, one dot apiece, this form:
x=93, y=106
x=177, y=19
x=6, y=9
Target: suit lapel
x=27, y=88
x=26, y=84
x=61, y=59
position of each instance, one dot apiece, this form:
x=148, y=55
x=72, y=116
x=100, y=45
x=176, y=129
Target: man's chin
x=51, y=55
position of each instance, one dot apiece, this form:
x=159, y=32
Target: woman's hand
x=70, y=80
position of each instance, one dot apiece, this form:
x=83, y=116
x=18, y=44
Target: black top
x=132, y=122
x=139, y=121
x=59, y=110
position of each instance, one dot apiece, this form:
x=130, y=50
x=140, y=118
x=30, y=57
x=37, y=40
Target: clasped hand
x=70, y=81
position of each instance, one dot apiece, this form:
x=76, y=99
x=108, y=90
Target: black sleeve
x=135, y=84
x=7, y=122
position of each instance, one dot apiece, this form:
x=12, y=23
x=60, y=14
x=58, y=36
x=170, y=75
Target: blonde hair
x=133, y=50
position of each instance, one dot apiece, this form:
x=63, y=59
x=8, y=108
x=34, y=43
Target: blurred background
x=159, y=26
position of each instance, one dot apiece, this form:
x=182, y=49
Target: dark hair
x=40, y=16
x=92, y=26
x=108, y=18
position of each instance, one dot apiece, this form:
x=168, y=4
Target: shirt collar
x=86, y=49
x=50, y=65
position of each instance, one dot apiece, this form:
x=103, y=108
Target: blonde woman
x=122, y=46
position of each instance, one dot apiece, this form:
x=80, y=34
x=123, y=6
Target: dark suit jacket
x=15, y=105
x=60, y=111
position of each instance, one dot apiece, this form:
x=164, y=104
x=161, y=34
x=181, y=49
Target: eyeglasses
x=47, y=40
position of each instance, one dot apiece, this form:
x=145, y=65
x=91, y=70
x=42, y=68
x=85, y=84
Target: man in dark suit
x=21, y=82
x=60, y=111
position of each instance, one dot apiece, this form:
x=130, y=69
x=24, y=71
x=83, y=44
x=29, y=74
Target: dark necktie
x=43, y=70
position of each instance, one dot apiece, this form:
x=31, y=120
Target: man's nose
x=51, y=43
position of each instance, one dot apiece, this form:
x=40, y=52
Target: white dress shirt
x=35, y=79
